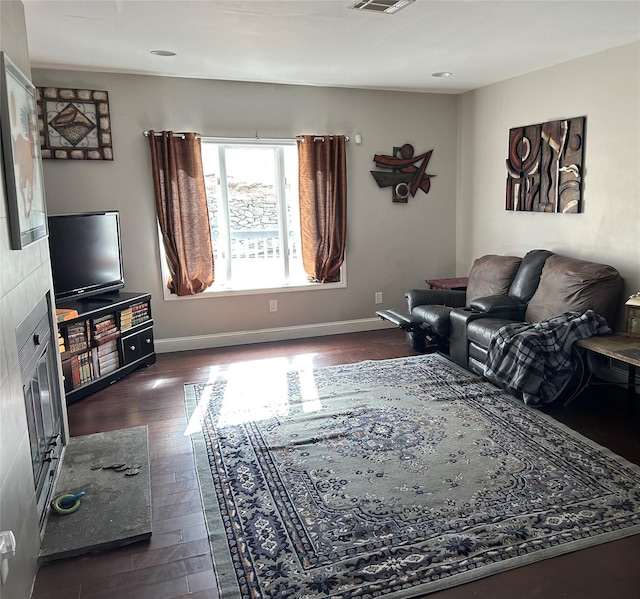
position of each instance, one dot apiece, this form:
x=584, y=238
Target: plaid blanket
x=536, y=359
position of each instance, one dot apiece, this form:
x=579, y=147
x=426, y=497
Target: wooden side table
x=619, y=346
x=455, y=284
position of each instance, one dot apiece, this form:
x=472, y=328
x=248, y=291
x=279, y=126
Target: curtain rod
x=319, y=137
x=257, y=138
x=176, y=134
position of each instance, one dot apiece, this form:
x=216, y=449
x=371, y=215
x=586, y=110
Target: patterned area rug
x=392, y=479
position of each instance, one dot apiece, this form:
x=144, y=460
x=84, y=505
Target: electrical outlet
x=378, y=297
x=273, y=305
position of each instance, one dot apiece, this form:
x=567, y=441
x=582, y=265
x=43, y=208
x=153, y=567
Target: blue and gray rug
x=392, y=479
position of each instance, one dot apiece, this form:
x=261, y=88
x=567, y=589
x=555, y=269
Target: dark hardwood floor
x=176, y=562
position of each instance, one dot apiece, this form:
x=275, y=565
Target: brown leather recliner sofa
x=564, y=284
x=510, y=280
x=503, y=290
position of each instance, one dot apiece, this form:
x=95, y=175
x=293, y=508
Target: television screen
x=86, y=257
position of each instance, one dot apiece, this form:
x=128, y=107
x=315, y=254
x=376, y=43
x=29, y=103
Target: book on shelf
x=77, y=336
x=126, y=319
x=113, y=354
x=61, y=344
x=95, y=362
x=75, y=372
x=142, y=308
x=86, y=370
x=105, y=337
x=103, y=319
x=108, y=363
x=108, y=359
x=81, y=369
x=104, y=329
x=104, y=326
x=134, y=315
x=107, y=347
x=104, y=370
x=63, y=314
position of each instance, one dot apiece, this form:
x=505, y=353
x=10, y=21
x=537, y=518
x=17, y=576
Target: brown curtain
x=181, y=205
x=322, y=174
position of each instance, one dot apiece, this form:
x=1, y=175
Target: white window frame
x=226, y=292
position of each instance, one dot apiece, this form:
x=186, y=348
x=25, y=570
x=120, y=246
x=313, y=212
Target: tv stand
x=95, y=299
x=110, y=337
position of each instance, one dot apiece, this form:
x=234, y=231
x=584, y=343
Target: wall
x=605, y=88
x=391, y=247
x=26, y=277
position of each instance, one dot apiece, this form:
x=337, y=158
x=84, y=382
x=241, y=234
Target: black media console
x=110, y=336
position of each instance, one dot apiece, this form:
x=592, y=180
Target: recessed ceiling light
x=442, y=74
x=163, y=52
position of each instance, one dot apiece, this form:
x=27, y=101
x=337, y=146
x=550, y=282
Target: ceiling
x=322, y=42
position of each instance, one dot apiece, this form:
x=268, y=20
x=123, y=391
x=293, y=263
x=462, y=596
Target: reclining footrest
x=404, y=320
x=419, y=335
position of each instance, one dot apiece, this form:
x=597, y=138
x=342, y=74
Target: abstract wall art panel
x=545, y=167
x=404, y=172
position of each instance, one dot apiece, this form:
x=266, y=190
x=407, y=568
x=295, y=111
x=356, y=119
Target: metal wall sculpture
x=408, y=172
x=74, y=124
x=545, y=167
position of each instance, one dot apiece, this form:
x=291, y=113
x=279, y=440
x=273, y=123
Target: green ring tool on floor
x=67, y=503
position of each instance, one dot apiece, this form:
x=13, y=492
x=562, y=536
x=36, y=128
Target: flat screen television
x=86, y=254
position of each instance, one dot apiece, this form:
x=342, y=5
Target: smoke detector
x=388, y=7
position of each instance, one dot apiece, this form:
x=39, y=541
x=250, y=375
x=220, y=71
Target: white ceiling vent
x=388, y=7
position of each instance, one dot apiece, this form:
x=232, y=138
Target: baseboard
x=174, y=344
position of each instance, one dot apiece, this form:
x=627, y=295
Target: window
x=252, y=195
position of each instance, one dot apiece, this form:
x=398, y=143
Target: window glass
x=252, y=192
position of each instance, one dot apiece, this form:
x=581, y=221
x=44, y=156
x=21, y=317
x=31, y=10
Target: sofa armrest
x=459, y=319
x=438, y=297
x=500, y=306
x=458, y=344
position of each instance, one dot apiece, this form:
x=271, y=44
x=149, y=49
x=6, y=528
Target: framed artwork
x=74, y=123
x=22, y=160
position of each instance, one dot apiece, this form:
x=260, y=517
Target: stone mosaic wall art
x=74, y=124
x=545, y=167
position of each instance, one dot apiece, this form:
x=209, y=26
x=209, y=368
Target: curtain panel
x=181, y=206
x=322, y=181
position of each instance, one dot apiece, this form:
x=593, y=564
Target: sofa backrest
x=526, y=281
x=570, y=284
x=491, y=275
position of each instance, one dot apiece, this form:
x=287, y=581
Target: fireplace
x=37, y=349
